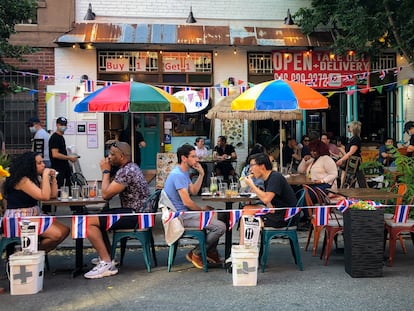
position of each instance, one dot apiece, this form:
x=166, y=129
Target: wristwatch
x=106, y=172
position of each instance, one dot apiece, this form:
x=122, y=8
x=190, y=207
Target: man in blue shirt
x=178, y=188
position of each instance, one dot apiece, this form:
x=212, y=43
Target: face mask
x=62, y=128
x=32, y=129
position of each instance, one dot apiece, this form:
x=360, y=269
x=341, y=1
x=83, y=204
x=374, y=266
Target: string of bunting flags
x=11, y=226
x=222, y=88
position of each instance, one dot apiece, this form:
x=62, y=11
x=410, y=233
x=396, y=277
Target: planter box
x=363, y=240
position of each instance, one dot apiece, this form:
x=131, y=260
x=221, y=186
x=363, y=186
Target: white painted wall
x=204, y=11
x=77, y=62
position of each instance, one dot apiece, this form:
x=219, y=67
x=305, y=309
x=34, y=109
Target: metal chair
x=192, y=233
x=145, y=236
x=268, y=233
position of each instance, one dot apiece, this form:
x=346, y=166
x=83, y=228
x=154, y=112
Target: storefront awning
x=110, y=33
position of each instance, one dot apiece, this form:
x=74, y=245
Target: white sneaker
x=97, y=260
x=101, y=270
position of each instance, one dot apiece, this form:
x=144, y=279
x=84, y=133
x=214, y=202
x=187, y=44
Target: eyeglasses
x=115, y=144
x=306, y=140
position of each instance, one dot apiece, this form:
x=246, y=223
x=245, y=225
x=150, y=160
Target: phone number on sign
x=322, y=80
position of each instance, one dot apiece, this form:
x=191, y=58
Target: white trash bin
x=26, y=273
x=244, y=265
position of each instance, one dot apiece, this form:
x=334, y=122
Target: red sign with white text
x=321, y=70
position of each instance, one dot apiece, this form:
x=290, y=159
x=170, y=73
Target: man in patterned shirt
x=130, y=184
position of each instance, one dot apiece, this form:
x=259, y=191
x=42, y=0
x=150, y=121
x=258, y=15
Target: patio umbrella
x=134, y=97
x=279, y=95
x=222, y=111
x=130, y=97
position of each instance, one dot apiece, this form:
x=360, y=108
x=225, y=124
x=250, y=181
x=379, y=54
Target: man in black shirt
x=58, y=153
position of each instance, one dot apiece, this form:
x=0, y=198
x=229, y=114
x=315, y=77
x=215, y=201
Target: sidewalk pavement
x=281, y=287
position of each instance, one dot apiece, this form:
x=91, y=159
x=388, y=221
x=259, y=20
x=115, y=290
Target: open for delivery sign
x=320, y=70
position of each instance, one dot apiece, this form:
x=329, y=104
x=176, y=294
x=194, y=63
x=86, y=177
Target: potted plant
x=363, y=239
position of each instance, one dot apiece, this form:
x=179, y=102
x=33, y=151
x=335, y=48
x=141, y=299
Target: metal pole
x=400, y=120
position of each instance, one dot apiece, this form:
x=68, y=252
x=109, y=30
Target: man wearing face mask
x=58, y=153
x=40, y=134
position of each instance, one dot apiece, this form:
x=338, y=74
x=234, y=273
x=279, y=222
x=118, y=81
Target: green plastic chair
x=192, y=233
x=268, y=233
x=145, y=236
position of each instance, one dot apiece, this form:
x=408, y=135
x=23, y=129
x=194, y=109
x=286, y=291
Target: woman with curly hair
x=29, y=182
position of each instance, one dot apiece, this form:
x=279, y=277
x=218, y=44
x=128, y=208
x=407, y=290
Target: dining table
x=364, y=193
x=78, y=207
x=229, y=200
x=299, y=179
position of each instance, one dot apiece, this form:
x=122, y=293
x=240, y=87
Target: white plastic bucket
x=244, y=265
x=26, y=273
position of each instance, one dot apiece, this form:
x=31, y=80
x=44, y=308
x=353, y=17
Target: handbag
x=173, y=229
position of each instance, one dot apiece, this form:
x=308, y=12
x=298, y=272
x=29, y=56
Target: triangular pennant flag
x=343, y=205
x=48, y=96
x=89, y=86
x=379, y=88
x=206, y=93
x=262, y=211
x=168, y=89
x=205, y=219
x=350, y=92
x=224, y=91
x=172, y=215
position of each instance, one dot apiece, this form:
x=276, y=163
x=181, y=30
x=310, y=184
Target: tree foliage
x=12, y=12
x=364, y=26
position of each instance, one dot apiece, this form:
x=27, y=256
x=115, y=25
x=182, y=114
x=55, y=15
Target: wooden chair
x=312, y=198
x=145, y=236
x=268, y=233
x=349, y=175
x=396, y=226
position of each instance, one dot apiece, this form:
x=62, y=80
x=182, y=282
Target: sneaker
x=189, y=256
x=101, y=270
x=196, y=261
x=97, y=260
x=214, y=257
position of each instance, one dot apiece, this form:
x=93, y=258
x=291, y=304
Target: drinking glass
x=93, y=190
x=222, y=189
x=64, y=193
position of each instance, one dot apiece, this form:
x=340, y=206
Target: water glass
x=75, y=192
x=93, y=191
x=222, y=189
x=234, y=190
x=85, y=192
x=64, y=193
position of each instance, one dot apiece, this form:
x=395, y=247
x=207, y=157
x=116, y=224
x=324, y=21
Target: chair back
x=351, y=168
x=151, y=204
x=400, y=189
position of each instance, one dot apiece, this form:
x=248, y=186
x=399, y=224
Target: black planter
x=363, y=241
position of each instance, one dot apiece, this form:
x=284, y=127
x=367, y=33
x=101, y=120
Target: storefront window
x=260, y=67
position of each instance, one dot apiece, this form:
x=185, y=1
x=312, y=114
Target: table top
x=299, y=179
x=72, y=202
x=365, y=193
x=228, y=199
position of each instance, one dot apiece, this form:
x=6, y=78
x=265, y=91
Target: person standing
x=59, y=155
x=40, y=133
x=178, y=188
x=129, y=182
x=225, y=153
x=138, y=139
x=353, y=148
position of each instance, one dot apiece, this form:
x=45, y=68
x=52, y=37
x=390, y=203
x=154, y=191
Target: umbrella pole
x=133, y=138
x=280, y=146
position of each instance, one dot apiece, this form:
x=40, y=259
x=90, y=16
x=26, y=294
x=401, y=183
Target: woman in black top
x=29, y=182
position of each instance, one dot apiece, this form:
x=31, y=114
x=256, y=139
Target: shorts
x=126, y=222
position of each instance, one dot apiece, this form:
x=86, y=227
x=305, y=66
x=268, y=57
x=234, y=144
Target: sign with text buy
x=321, y=70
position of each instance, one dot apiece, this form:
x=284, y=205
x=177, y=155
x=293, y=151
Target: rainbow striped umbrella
x=279, y=95
x=130, y=97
